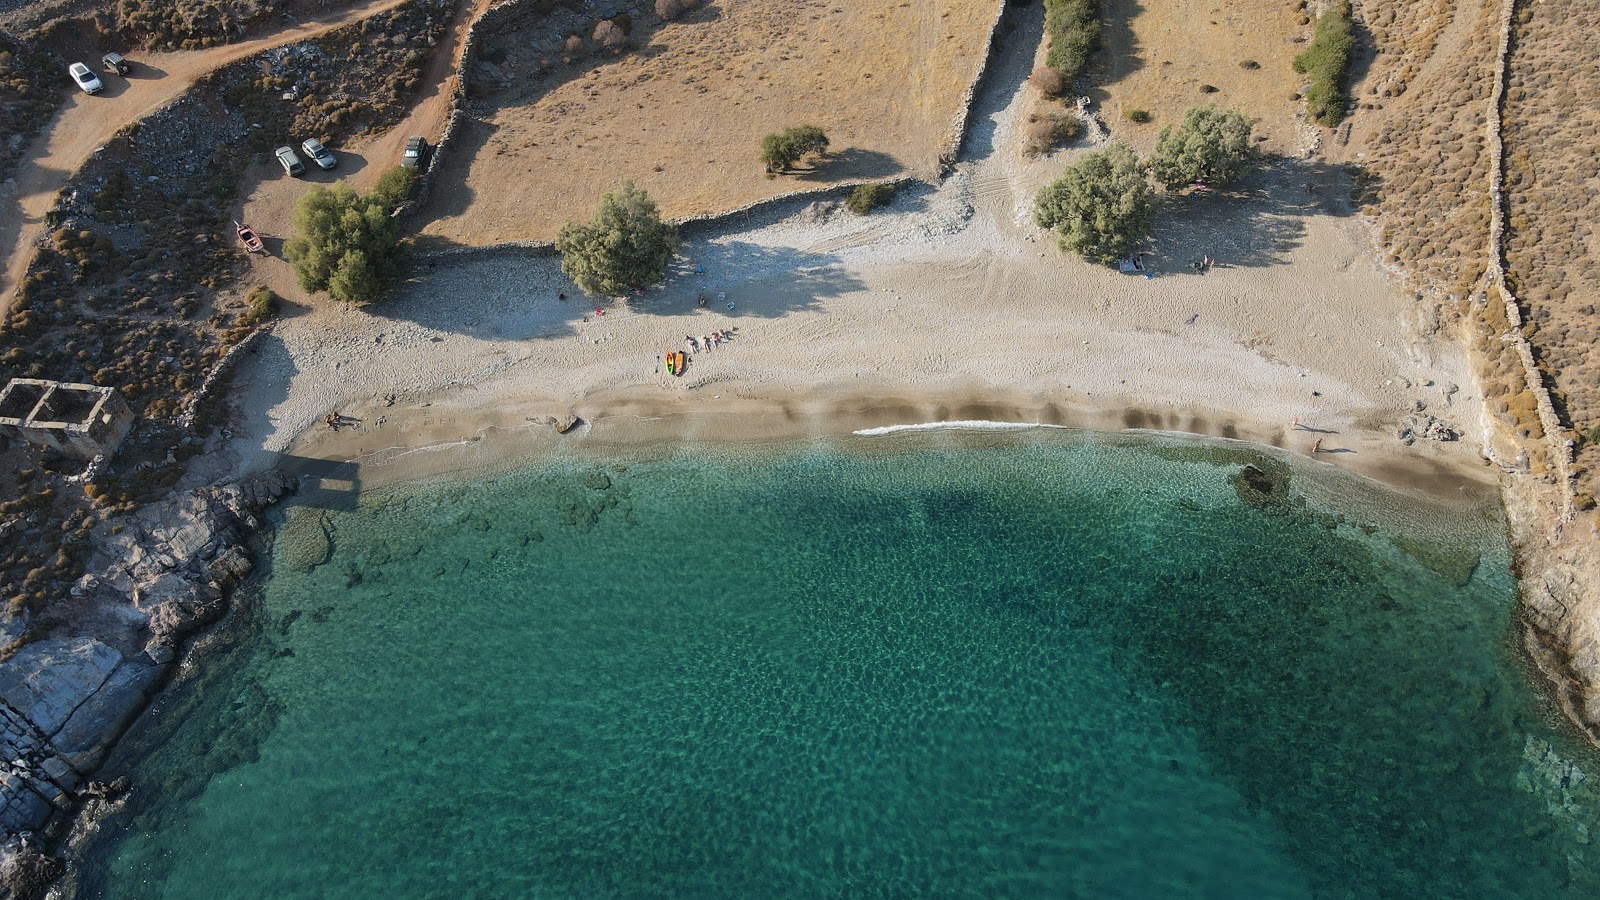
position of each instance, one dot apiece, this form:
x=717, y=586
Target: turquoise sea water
x=1051, y=665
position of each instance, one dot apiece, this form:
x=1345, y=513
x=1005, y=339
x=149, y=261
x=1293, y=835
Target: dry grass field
x=1164, y=57
x=1553, y=201
x=683, y=112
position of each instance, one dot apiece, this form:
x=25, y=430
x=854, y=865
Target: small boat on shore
x=252, y=241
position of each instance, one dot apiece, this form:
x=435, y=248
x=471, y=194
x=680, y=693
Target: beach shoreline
x=440, y=437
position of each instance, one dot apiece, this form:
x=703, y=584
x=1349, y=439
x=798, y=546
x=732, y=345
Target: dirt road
x=86, y=123
x=270, y=195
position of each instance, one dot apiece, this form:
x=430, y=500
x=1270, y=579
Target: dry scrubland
x=1166, y=57
x=1428, y=167
x=1420, y=136
x=682, y=113
x=1552, y=130
x=29, y=95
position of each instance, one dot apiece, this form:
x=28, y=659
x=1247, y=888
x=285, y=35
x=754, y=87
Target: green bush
x=346, y=244
x=625, y=246
x=782, y=149
x=1138, y=116
x=263, y=305
x=1101, y=206
x=1325, y=64
x=1074, y=30
x=1212, y=146
x=394, y=186
x=868, y=197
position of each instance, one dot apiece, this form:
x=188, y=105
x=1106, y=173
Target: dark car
x=415, y=147
x=115, y=63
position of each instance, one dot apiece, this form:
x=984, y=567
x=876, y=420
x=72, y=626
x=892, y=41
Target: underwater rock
x=1264, y=486
x=597, y=481
x=306, y=539
x=1454, y=565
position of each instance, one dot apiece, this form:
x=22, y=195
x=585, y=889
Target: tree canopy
x=625, y=246
x=1211, y=146
x=345, y=243
x=1101, y=205
x=782, y=149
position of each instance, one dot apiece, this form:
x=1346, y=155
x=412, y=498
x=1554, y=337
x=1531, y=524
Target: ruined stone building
x=80, y=420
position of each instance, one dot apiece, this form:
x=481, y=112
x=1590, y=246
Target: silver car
x=84, y=78
x=289, y=161
x=319, y=154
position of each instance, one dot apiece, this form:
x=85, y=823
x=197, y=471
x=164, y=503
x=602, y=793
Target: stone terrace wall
x=1549, y=421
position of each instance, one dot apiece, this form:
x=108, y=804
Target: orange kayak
x=679, y=361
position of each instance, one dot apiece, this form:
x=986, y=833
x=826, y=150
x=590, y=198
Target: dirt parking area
x=682, y=114
x=1164, y=56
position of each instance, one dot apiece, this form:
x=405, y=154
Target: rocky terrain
x=64, y=700
x=104, y=571
x=29, y=93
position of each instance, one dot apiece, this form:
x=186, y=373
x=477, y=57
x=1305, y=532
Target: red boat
x=252, y=241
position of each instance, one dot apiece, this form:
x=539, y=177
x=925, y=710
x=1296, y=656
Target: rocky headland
x=155, y=578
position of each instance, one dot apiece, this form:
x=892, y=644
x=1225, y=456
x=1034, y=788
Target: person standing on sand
x=1316, y=446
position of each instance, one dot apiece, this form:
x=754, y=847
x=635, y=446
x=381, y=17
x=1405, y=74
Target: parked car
x=85, y=78
x=115, y=63
x=289, y=161
x=415, y=147
x=319, y=154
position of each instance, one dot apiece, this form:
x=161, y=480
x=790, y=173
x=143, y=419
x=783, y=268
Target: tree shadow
x=1257, y=222
x=1120, y=54
x=522, y=295
x=849, y=165
x=1363, y=54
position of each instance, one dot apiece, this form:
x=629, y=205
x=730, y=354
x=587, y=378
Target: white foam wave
x=959, y=425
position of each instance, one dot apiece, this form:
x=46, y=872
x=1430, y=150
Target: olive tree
x=782, y=149
x=1101, y=205
x=625, y=245
x=1212, y=146
x=345, y=243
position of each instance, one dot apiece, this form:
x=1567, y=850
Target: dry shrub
x=609, y=34
x=668, y=10
x=574, y=47
x=1048, y=82
x=1047, y=132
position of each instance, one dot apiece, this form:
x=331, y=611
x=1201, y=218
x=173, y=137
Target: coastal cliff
x=1558, y=571
x=64, y=701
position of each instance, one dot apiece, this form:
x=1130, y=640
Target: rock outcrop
x=65, y=700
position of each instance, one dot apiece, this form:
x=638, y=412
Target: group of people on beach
x=335, y=421
x=692, y=344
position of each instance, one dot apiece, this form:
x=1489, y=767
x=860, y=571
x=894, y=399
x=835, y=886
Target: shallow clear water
x=1042, y=665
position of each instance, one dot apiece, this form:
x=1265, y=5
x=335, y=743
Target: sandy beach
x=949, y=305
